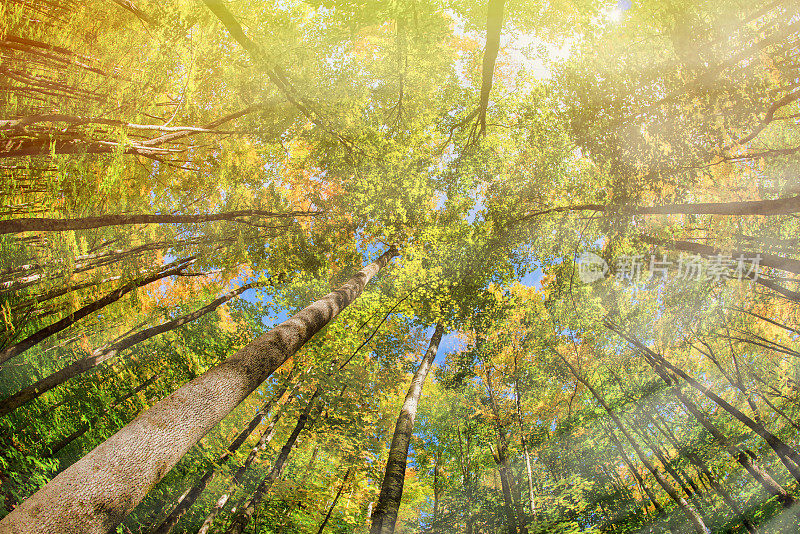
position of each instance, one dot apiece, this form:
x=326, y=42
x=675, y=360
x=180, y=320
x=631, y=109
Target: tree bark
x=528, y=469
x=194, y=492
x=744, y=457
x=384, y=516
x=767, y=260
x=780, y=206
x=106, y=353
x=703, y=470
x=42, y=224
x=634, y=471
x=245, y=513
x=37, y=337
x=99, y=490
x=514, y=514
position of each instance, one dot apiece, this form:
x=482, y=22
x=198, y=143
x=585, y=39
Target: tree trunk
x=106, y=353
x=767, y=260
x=436, y=468
x=514, y=513
x=690, y=513
x=634, y=471
x=753, y=207
x=37, y=337
x=703, y=470
x=236, y=479
x=743, y=456
x=384, y=515
x=115, y=476
x=191, y=497
x=85, y=427
x=245, y=513
x=788, y=456
x=13, y=226
x=494, y=25
x=528, y=469
x=335, y=500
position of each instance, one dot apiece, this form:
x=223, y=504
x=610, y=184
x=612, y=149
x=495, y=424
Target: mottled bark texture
x=384, y=516
x=98, y=491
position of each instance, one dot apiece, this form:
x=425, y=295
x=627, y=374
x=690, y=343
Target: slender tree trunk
x=703, y=470
x=236, y=479
x=245, y=513
x=115, y=476
x=754, y=207
x=622, y=454
x=335, y=500
x=436, y=468
x=743, y=456
x=103, y=354
x=85, y=427
x=48, y=331
x=384, y=516
x=516, y=518
x=690, y=513
x=689, y=492
x=767, y=260
x=41, y=224
x=528, y=469
x=505, y=485
x=788, y=456
x=191, y=497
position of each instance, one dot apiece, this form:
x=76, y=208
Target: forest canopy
x=413, y=266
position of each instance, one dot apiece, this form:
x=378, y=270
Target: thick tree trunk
x=384, y=516
x=236, y=479
x=335, y=500
x=106, y=353
x=85, y=427
x=98, y=491
x=37, y=337
x=690, y=513
x=194, y=492
x=245, y=513
x=13, y=226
